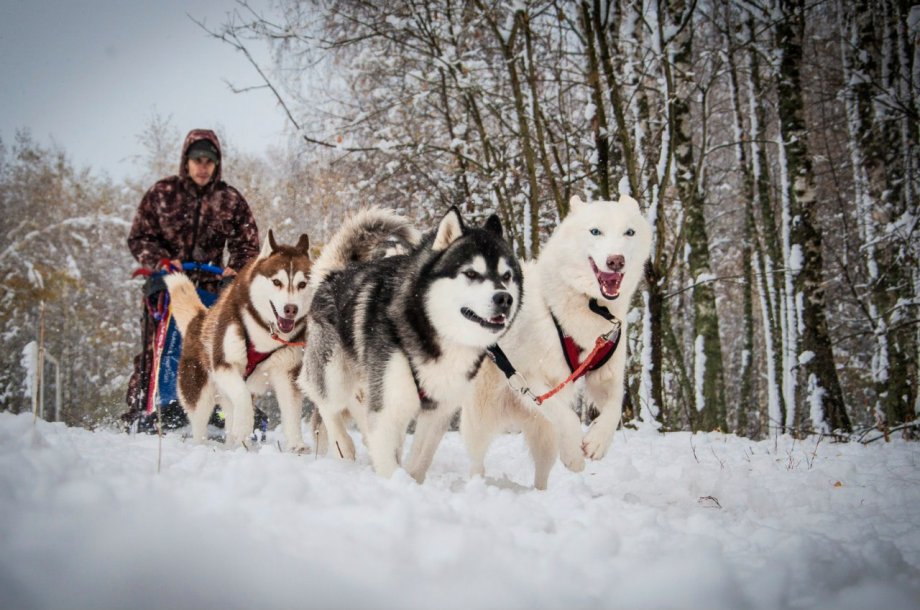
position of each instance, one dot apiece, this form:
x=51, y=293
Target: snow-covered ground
x=664, y=521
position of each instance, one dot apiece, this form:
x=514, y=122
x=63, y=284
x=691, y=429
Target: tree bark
x=816, y=358
x=709, y=398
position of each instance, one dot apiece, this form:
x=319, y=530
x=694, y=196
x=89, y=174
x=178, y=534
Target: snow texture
x=699, y=372
x=29, y=362
x=665, y=521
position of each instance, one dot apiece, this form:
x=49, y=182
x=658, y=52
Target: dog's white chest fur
x=446, y=380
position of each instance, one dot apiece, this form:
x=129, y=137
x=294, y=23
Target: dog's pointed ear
x=449, y=229
x=268, y=246
x=303, y=244
x=575, y=202
x=627, y=200
x=494, y=225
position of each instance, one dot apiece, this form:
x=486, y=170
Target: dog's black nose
x=616, y=262
x=290, y=310
x=502, y=300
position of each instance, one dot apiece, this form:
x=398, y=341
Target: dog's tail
x=185, y=303
x=369, y=234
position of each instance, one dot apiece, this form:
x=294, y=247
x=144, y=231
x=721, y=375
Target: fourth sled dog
x=577, y=290
x=401, y=337
x=243, y=344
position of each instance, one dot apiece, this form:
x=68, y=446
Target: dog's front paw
x=299, y=449
x=573, y=460
x=596, y=443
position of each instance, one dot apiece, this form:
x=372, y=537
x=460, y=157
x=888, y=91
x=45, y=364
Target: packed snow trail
x=664, y=521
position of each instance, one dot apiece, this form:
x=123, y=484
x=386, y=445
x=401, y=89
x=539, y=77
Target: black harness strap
x=600, y=310
x=501, y=360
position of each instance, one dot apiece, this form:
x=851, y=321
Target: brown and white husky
x=250, y=341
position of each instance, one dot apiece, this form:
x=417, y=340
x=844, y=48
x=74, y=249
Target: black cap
x=203, y=148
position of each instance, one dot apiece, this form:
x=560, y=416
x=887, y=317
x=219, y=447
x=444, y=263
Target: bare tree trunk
x=606, y=51
x=746, y=395
x=816, y=358
x=768, y=250
x=889, y=132
x=507, y=45
x=599, y=120
x=709, y=397
x=546, y=162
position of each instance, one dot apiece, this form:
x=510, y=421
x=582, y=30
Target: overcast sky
x=89, y=74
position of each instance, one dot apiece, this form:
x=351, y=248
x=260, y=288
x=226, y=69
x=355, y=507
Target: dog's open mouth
x=609, y=281
x=494, y=324
x=285, y=325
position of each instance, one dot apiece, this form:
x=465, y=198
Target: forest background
x=773, y=144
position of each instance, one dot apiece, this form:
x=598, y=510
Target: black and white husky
x=401, y=338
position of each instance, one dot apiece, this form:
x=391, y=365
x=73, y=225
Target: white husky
x=577, y=291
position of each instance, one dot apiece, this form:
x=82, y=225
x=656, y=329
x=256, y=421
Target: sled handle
x=186, y=266
x=203, y=267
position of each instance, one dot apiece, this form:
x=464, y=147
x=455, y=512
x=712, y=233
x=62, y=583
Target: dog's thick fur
x=402, y=337
x=270, y=295
x=597, y=252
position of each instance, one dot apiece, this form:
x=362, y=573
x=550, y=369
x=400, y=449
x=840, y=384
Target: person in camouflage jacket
x=191, y=216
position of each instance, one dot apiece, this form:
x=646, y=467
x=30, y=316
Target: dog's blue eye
x=506, y=277
x=630, y=232
x=595, y=232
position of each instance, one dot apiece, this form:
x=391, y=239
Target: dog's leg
x=477, y=437
x=290, y=403
x=320, y=435
x=606, y=392
x=544, y=447
x=430, y=427
x=481, y=418
x=338, y=383
x=330, y=429
x=399, y=403
x=359, y=413
x=324, y=379
x=235, y=397
x=340, y=442
x=196, y=395
x=200, y=413
x=480, y=423
x=226, y=407
x=568, y=428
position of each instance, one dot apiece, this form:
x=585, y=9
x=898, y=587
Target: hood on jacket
x=192, y=137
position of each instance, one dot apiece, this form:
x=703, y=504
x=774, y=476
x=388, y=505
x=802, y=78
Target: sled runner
x=161, y=391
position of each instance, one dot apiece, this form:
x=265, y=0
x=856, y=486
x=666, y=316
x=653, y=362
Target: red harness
x=604, y=347
x=254, y=358
x=571, y=350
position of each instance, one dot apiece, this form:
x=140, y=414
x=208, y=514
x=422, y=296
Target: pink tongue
x=286, y=324
x=610, y=283
x=498, y=320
